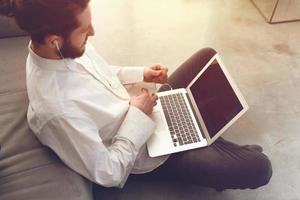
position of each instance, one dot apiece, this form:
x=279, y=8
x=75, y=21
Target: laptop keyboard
x=181, y=125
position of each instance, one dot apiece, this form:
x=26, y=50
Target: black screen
x=215, y=98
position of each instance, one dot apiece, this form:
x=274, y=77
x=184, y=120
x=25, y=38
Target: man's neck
x=44, y=52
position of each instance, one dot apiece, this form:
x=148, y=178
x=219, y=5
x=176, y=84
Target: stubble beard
x=69, y=51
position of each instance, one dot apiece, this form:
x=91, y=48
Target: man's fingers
x=154, y=98
x=165, y=72
x=145, y=91
x=159, y=67
x=156, y=67
x=161, y=80
x=156, y=73
x=161, y=77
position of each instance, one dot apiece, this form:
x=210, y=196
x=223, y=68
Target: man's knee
x=261, y=172
x=206, y=52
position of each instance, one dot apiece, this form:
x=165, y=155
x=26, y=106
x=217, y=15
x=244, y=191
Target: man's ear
x=52, y=41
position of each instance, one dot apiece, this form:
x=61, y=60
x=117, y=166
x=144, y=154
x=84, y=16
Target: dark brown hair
x=44, y=17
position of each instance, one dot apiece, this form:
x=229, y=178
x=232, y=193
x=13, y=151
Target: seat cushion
x=9, y=28
x=27, y=168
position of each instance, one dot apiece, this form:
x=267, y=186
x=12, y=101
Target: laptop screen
x=215, y=98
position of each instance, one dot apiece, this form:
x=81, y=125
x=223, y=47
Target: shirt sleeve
x=76, y=140
x=129, y=75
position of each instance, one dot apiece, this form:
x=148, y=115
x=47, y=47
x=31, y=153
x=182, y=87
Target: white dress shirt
x=80, y=109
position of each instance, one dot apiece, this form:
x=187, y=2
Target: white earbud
x=56, y=44
x=58, y=49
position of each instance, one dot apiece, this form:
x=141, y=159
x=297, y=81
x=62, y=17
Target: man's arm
x=156, y=73
x=76, y=140
x=128, y=75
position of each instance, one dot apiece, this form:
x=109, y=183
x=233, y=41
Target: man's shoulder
x=42, y=112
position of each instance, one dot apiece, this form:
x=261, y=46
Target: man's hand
x=156, y=73
x=144, y=102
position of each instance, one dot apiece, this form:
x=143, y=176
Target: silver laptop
x=196, y=116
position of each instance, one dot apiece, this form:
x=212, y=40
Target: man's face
x=74, y=45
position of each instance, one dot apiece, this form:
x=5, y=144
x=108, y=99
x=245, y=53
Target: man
x=80, y=108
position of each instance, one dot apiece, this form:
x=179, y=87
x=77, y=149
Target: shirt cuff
x=137, y=127
x=129, y=75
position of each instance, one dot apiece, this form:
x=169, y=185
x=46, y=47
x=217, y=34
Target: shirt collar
x=51, y=64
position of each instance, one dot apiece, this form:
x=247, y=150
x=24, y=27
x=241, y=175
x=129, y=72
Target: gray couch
x=9, y=28
x=28, y=170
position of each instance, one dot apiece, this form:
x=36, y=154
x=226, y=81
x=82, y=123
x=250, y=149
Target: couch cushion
x=20, y=149
x=9, y=28
x=28, y=170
